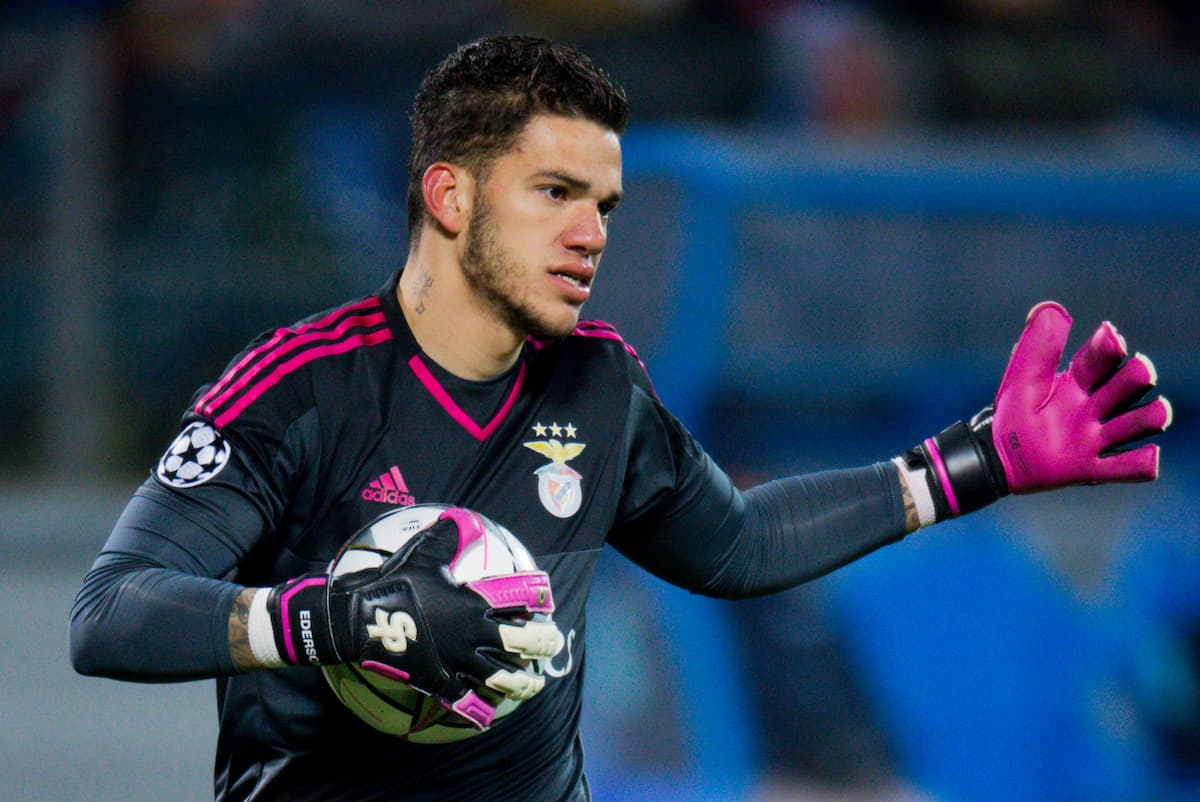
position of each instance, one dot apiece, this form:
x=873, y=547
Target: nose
x=588, y=232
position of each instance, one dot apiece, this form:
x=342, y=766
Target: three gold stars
x=554, y=429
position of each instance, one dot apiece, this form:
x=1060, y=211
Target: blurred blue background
x=837, y=216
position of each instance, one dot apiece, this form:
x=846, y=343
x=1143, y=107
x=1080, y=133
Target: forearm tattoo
x=239, y=632
x=912, y=519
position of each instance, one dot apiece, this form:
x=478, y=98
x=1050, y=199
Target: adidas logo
x=389, y=488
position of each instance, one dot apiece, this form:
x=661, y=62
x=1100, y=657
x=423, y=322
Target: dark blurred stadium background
x=838, y=214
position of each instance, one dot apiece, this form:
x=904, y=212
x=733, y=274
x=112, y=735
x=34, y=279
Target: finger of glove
x=455, y=694
x=445, y=686
x=527, y=591
x=1098, y=357
x=519, y=685
x=468, y=527
x=430, y=549
x=1136, y=465
x=344, y=583
x=1129, y=383
x=474, y=708
x=532, y=640
x=1036, y=355
x=1136, y=423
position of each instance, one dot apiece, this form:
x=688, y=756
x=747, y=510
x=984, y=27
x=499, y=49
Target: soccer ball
x=390, y=705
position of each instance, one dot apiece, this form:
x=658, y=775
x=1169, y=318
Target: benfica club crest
x=559, y=486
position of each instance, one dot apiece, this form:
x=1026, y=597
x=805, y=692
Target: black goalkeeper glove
x=410, y=620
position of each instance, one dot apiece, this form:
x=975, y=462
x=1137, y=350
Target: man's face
x=540, y=223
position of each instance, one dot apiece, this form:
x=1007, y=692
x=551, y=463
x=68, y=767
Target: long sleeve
x=689, y=525
x=155, y=605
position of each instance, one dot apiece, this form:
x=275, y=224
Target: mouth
x=576, y=277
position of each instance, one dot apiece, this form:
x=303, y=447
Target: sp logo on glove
x=394, y=630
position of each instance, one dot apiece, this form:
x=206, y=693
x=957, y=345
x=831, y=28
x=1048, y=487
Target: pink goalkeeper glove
x=1046, y=429
x=1054, y=429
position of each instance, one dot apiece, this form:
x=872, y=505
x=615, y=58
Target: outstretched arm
x=1046, y=430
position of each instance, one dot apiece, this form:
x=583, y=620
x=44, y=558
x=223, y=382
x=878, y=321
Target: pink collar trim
x=456, y=412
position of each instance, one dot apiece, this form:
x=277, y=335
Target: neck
x=451, y=324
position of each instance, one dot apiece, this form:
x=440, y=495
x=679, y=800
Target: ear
x=447, y=192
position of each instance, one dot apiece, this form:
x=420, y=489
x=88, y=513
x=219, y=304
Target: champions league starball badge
x=560, y=487
x=198, y=454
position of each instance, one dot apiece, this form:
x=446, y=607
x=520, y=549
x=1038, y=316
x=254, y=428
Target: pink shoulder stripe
x=290, y=345
x=246, y=365
x=597, y=330
x=595, y=324
x=283, y=342
x=600, y=330
x=284, y=368
x=603, y=331
x=585, y=328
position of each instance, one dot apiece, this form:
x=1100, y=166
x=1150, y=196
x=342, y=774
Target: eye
x=606, y=208
x=554, y=191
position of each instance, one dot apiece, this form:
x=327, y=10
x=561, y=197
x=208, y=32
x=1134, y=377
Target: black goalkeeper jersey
x=318, y=428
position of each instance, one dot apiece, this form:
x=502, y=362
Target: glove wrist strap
x=301, y=622
x=964, y=470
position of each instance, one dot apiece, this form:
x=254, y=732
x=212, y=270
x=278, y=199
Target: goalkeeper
x=469, y=379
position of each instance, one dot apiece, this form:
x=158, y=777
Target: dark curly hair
x=471, y=107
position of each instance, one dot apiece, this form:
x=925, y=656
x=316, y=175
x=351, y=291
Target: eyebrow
x=578, y=185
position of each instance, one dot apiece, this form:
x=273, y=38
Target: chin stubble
x=497, y=277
